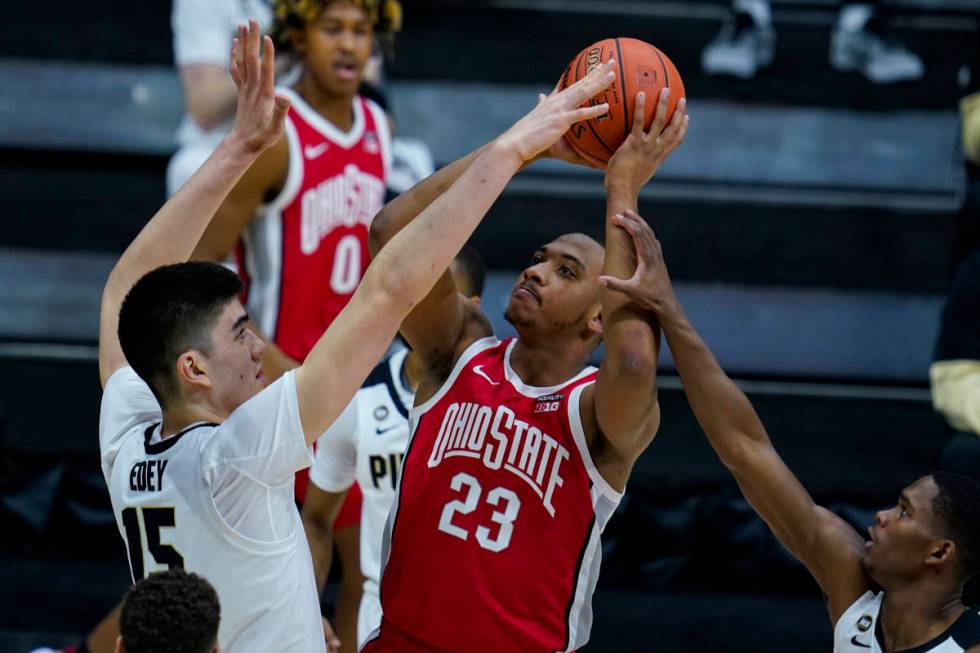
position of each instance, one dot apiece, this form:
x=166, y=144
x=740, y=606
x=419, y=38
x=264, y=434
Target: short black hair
x=958, y=506
x=170, y=612
x=473, y=270
x=169, y=310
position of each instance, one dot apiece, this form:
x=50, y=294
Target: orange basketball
x=641, y=67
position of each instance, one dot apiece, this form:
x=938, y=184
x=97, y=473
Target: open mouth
x=346, y=71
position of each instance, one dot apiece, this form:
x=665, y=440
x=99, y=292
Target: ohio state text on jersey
x=305, y=252
x=492, y=543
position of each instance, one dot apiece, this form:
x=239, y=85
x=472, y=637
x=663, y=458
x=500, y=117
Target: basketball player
x=366, y=445
x=297, y=222
x=198, y=454
x=900, y=591
x=169, y=612
x=520, y=452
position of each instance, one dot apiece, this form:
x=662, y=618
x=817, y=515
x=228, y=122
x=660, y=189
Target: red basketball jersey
x=492, y=543
x=304, y=254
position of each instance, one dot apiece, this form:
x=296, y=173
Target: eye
x=537, y=258
x=566, y=271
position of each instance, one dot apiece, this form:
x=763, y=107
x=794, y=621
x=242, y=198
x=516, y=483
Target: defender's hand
x=649, y=287
x=260, y=114
x=333, y=644
x=556, y=113
x=632, y=165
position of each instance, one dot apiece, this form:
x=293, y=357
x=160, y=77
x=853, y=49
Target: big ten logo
x=546, y=406
x=385, y=468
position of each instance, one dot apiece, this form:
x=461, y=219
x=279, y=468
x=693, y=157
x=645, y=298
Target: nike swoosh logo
x=854, y=640
x=381, y=431
x=313, y=151
x=477, y=370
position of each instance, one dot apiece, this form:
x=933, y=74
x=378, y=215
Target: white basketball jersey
x=858, y=630
x=218, y=500
x=367, y=444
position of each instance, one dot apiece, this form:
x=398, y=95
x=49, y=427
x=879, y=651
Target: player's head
x=558, y=293
x=933, y=530
x=335, y=38
x=469, y=273
x=169, y=612
x=183, y=331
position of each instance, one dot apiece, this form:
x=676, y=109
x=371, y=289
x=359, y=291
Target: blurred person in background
x=202, y=30
x=859, y=42
x=365, y=446
x=297, y=222
x=170, y=612
x=955, y=373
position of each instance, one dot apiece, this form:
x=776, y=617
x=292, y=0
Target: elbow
x=381, y=231
x=636, y=363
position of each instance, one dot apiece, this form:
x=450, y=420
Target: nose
x=881, y=518
x=347, y=40
x=256, y=346
x=534, y=272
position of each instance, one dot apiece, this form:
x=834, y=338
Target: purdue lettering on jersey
x=499, y=512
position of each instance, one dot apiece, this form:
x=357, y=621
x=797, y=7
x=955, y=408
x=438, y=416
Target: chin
x=517, y=317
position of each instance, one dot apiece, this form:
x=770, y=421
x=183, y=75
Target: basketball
x=642, y=67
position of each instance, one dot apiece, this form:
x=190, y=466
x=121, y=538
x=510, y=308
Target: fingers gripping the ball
x=598, y=80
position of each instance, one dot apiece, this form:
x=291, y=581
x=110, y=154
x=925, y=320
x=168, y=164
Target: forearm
x=630, y=333
x=407, y=206
x=320, y=537
x=724, y=412
x=441, y=230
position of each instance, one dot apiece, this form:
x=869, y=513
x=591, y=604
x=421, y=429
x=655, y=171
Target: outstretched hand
x=649, y=287
x=557, y=112
x=261, y=113
x=644, y=151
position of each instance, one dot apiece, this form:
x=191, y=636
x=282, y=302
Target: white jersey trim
x=381, y=125
x=578, y=432
x=530, y=390
x=324, y=126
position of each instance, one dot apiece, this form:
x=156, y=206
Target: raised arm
x=626, y=407
x=405, y=270
x=435, y=328
x=828, y=546
x=170, y=236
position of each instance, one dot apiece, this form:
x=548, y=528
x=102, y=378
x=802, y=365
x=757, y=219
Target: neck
x=913, y=615
x=412, y=370
x=547, y=361
x=180, y=417
x=337, y=109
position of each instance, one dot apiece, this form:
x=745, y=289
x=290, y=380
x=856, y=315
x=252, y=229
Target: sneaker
x=741, y=48
x=874, y=53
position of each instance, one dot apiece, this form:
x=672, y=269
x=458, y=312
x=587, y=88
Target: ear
x=298, y=38
x=940, y=551
x=594, y=323
x=192, y=369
